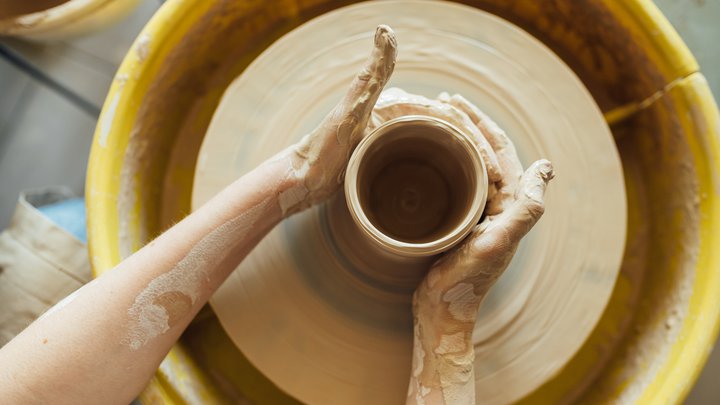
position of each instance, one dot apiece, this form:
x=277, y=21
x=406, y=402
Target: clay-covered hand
x=320, y=158
x=497, y=151
x=474, y=266
x=501, y=150
x=446, y=303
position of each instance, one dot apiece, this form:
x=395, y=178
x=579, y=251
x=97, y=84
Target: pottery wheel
x=298, y=307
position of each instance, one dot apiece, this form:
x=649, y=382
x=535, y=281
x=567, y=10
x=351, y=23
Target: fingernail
x=444, y=97
x=545, y=170
x=383, y=30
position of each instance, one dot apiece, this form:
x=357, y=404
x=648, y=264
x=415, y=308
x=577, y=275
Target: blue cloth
x=68, y=215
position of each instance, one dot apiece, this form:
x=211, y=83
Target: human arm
x=103, y=343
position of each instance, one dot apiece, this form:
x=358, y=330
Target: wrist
x=443, y=360
x=287, y=178
x=441, y=311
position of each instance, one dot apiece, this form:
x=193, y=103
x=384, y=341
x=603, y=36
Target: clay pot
x=416, y=186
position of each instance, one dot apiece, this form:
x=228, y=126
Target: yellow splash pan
x=662, y=320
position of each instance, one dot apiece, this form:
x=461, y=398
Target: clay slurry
x=415, y=188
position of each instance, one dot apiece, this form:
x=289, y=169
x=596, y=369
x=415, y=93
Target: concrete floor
x=45, y=133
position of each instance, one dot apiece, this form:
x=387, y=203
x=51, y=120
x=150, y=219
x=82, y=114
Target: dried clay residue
x=172, y=296
x=142, y=47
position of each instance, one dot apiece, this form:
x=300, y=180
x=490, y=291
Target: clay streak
x=172, y=295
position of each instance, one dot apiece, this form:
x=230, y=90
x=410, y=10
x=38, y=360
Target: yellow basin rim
x=700, y=327
x=688, y=353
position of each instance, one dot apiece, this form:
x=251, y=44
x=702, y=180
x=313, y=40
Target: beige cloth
x=40, y=263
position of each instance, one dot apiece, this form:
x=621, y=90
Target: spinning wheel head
x=317, y=309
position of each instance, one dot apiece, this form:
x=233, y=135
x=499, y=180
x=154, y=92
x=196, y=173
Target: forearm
x=105, y=341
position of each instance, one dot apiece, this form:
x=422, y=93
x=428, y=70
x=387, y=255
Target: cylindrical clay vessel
x=416, y=186
x=662, y=319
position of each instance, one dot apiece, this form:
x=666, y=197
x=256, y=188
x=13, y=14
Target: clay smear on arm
x=172, y=296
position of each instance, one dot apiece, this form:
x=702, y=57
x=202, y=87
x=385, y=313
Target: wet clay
x=411, y=201
x=415, y=187
x=15, y=8
x=176, y=305
x=346, y=320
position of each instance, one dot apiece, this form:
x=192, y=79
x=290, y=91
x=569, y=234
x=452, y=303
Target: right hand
x=446, y=304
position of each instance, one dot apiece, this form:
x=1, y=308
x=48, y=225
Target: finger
x=492, y=194
x=484, y=255
x=388, y=97
x=492, y=165
x=529, y=204
x=411, y=104
x=399, y=103
x=479, y=260
x=351, y=115
x=495, y=135
x=508, y=160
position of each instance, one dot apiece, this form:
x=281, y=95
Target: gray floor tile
x=112, y=43
x=86, y=64
x=85, y=75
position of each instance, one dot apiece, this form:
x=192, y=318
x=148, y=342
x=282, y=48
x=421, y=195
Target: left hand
x=320, y=158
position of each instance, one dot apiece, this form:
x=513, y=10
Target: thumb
x=529, y=204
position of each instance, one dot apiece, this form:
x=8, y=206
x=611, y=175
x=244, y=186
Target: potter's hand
x=320, y=158
x=513, y=209
x=497, y=151
x=502, y=189
x=446, y=303
x=120, y=326
x=464, y=275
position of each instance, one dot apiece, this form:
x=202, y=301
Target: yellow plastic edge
x=667, y=49
x=106, y=162
x=118, y=115
x=700, y=328
x=688, y=354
